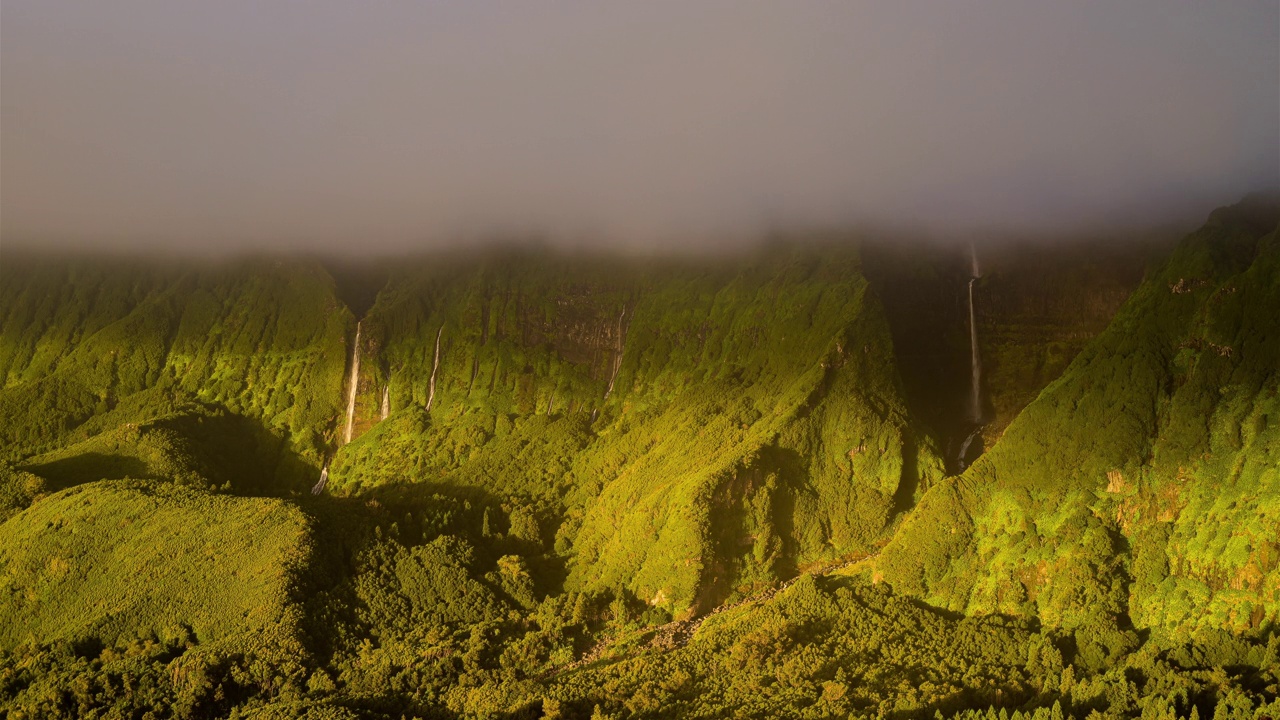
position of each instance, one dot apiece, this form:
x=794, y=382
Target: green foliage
x=115, y=559
x=687, y=431
x=18, y=489
x=125, y=594
x=264, y=341
x=841, y=647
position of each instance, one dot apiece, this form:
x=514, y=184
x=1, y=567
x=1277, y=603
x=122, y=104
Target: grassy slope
x=1142, y=485
x=844, y=647
x=120, y=559
x=823, y=648
x=197, y=444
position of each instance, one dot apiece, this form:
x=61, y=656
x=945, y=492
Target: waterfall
x=975, y=367
x=964, y=446
x=386, y=400
x=617, y=357
x=975, y=363
x=351, y=388
x=435, y=365
x=324, y=480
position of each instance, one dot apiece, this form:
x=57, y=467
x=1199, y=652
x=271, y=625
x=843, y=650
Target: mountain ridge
x=554, y=457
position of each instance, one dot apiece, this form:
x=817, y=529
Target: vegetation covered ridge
x=685, y=430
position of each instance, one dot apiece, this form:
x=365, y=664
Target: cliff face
x=89, y=343
x=1141, y=485
x=553, y=458
x=1037, y=306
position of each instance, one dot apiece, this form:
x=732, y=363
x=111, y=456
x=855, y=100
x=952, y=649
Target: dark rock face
x=1037, y=306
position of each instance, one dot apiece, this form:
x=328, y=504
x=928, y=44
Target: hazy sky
x=389, y=124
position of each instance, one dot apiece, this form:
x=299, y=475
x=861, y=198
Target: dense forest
x=590, y=487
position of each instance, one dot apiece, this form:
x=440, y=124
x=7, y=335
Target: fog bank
x=344, y=126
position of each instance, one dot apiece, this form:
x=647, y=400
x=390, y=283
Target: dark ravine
x=1038, y=305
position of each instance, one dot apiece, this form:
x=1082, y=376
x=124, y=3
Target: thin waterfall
x=324, y=480
x=964, y=446
x=386, y=400
x=351, y=387
x=975, y=363
x=975, y=359
x=435, y=365
x=617, y=356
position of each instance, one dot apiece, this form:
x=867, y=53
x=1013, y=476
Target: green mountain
x=88, y=345
x=687, y=431
x=525, y=484
x=1142, y=487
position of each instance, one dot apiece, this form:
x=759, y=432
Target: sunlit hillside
x=583, y=486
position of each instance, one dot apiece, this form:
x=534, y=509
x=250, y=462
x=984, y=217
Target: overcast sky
x=386, y=124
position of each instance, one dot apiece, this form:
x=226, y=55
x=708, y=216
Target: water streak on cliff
x=617, y=355
x=324, y=480
x=975, y=363
x=351, y=387
x=435, y=365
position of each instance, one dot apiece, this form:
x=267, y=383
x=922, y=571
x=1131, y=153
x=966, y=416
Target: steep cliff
x=1037, y=304
x=1142, y=485
x=92, y=343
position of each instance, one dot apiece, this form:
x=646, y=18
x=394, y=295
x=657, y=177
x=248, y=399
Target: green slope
x=120, y=559
x=197, y=444
x=842, y=647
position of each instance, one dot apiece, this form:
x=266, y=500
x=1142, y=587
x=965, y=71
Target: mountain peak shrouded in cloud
x=342, y=126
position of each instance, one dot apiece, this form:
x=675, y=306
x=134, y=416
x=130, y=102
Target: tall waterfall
x=351, y=387
x=975, y=360
x=386, y=400
x=617, y=356
x=435, y=365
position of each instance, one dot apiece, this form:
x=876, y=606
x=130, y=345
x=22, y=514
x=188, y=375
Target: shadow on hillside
x=904, y=498
x=196, y=443
x=350, y=529
x=88, y=467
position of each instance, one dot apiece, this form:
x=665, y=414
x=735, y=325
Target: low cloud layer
x=332, y=124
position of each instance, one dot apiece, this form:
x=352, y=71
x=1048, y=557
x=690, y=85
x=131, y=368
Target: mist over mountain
x=204, y=127
x=502, y=361
x=828, y=476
